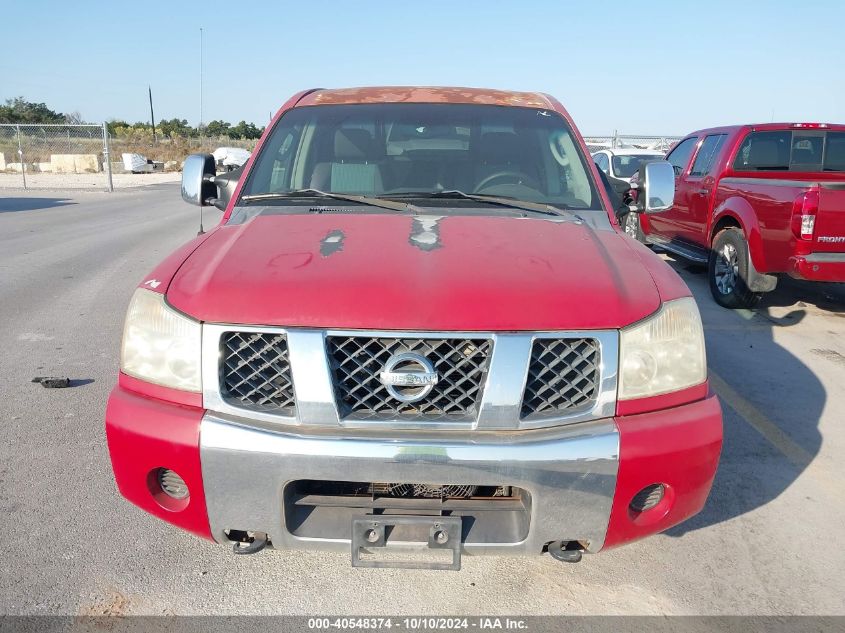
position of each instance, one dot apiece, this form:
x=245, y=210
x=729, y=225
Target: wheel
x=631, y=225
x=727, y=271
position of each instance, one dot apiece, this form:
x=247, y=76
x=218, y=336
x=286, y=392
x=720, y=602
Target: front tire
x=727, y=271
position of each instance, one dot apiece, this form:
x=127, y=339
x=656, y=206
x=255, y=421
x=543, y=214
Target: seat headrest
x=354, y=144
x=500, y=147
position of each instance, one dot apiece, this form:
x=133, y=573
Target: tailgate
x=830, y=218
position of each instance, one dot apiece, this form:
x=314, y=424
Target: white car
x=621, y=163
x=230, y=157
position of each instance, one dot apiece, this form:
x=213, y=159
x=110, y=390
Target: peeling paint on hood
x=425, y=233
x=489, y=273
x=332, y=243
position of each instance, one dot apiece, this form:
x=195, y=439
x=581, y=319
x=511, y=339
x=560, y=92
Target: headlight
x=663, y=353
x=160, y=345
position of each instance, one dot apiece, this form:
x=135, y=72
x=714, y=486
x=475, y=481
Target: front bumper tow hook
x=252, y=543
x=566, y=551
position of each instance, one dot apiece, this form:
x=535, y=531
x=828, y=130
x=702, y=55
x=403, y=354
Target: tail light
x=804, y=211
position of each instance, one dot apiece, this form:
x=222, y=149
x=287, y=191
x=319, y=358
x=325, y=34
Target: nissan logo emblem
x=408, y=377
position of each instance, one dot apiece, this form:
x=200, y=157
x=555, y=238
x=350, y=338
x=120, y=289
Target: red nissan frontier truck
x=754, y=202
x=418, y=326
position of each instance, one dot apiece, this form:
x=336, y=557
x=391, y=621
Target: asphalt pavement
x=768, y=542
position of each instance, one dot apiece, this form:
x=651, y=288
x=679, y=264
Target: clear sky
x=638, y=66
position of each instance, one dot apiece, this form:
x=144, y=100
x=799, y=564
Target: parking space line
x=763, y=425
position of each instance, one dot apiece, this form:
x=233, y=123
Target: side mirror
x=656, y=187
x=198, y=180
x=226, y=183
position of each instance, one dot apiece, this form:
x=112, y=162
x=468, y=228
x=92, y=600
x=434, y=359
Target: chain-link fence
x=661, y=143
x=86, y=156
x=31, y=156
x=167, y=153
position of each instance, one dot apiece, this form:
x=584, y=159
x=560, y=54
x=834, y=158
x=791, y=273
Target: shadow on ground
x=828, y=297
x=11, y=205
x=764, y=383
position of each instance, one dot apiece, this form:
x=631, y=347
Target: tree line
x=179, y=128
x=19, y=110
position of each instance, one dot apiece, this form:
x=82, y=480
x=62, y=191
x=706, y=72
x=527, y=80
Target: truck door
x=697, y=188
x=664, y=226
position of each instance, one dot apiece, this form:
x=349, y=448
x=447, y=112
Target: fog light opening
x=168, y=489
x=648, y=498
x=172, y=484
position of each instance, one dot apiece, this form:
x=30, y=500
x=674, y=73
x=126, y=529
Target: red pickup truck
x=417, y=325
x=755, y=201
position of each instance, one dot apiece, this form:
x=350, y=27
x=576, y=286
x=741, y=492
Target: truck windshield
x=406, y=148
x=624, y=165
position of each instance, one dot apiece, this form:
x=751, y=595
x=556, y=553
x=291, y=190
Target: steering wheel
x=514, y=177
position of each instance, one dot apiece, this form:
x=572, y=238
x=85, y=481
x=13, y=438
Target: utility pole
x=201, y=113
x=152, y=116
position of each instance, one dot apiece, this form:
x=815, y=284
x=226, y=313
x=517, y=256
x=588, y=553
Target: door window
x=601, y=161
x=766, y=151
x=710, y=148
x=679, y=157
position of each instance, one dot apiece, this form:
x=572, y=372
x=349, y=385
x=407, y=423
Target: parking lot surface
x=769, y=540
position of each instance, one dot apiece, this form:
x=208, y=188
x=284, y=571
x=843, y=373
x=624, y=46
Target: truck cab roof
x=729, y=129
x=425, y=94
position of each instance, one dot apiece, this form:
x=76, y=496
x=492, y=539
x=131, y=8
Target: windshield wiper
x=316, y=193
x=513, y=203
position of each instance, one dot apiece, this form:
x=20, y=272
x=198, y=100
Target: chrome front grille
x=563, y=376
x=461, y=365
x=484, y=381
x=255, y=372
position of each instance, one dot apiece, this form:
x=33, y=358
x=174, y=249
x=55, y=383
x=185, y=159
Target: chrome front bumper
x=570, y=473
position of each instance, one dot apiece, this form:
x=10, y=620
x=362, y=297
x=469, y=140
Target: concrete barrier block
x=2, y=162
x=44, y=167
x=62, y=163
x=15, y=167
x=75, y=163
x=86, y=163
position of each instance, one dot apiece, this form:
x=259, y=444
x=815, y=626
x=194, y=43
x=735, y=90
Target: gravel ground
x=767, y=542
x=61, y=182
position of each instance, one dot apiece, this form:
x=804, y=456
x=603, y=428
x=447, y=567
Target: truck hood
x=396, y=272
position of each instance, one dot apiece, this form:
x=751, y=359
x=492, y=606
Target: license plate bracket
x=371, y=533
